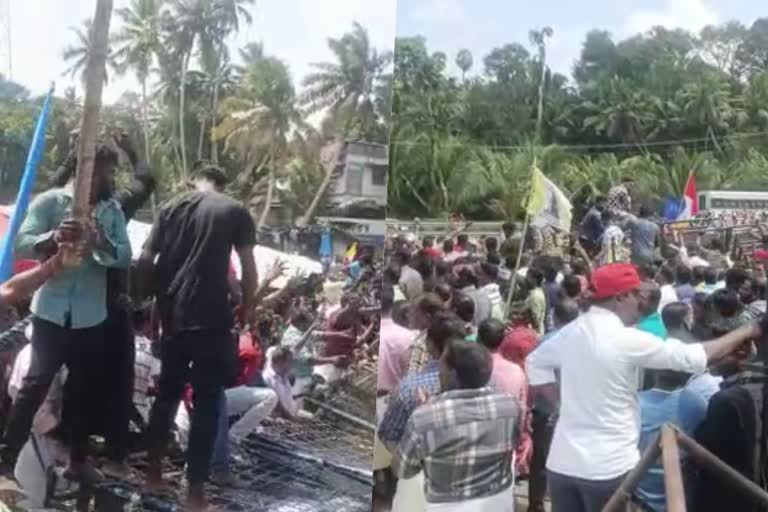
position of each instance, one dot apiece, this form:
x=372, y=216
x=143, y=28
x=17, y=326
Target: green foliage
x=248, y=115
x=654, y=106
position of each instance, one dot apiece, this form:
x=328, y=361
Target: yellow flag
x=351, y=252
x=547, y=205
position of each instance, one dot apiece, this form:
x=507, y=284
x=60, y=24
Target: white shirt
x=668, y=296
x=279, y=384
x=599, y=360
x=523, y=272
x=691, y=261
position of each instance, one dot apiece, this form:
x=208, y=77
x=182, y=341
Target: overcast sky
x=481, y=25
x=294, y=30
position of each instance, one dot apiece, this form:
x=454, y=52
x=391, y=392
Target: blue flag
x=672, y=208
x=25, y=191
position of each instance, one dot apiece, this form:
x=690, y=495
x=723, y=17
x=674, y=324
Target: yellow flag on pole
x=548, y=205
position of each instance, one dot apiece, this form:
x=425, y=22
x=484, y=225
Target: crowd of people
x=97, y=340
x=612, y=331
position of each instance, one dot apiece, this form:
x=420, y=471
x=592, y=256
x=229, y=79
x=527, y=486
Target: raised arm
x=142, y=182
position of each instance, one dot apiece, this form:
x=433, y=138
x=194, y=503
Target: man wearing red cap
x=600, y=356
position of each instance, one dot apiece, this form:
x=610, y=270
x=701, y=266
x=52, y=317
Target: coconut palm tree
x=137, y=43
x=77, y=54
x=347, y=87
x=257, y=121
x=190, y=19
x=464, y=61
x=538, y=38
x=214, y=53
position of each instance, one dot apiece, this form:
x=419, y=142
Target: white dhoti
x=409, y=496
x=382, y=459
x=501, y=502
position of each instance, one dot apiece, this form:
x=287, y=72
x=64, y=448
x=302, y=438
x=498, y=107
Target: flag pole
x=28, y=179
x=526, y=223
x=511, y=291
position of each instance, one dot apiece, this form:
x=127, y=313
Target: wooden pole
x=513, y=282
x=649, y=458
x=95, y=73
x=673, y=476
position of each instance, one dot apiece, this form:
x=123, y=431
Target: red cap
x=24, y=265
x=761, y=254
x=615, y=279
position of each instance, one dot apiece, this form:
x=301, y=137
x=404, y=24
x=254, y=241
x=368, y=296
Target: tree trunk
x=201, y=140
x=270, y=192
x=215, y=113
x=145, y=129
x=94, y=83
x=330, y=168
x=540, y=109
x=182, y=111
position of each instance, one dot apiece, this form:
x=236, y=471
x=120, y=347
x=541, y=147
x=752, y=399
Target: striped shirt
x=463, y=440
x=403, y=401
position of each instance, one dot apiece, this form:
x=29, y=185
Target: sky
x=481, y=25
x=294, y=30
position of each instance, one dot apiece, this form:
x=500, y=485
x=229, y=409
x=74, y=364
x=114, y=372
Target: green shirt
x=76, y=296
x=653, y=324
x=537, y=304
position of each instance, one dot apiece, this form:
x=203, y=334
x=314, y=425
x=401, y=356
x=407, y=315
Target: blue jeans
x=220, y=458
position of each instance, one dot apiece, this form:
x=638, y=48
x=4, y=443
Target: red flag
x=690, y=199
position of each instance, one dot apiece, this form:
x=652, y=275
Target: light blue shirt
x=78, y=294
x=684, y=408
x=354, y=269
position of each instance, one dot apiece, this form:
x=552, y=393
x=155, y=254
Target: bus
x=732, y=200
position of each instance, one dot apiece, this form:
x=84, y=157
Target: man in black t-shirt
x=192, y=240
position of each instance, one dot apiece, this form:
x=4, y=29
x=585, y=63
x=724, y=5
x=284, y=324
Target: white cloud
x=439, y=12
x=688, y=14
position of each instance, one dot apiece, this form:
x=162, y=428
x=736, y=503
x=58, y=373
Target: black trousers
x=571, y=494
x=543, y=429
x=204, y=359
x=83, y=352
x=117, y=401
x=111, y=402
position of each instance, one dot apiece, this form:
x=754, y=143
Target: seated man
x=464, y=438
x=277, y=376
x=300, y=337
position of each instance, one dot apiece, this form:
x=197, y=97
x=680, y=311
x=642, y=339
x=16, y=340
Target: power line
x=661, y=143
